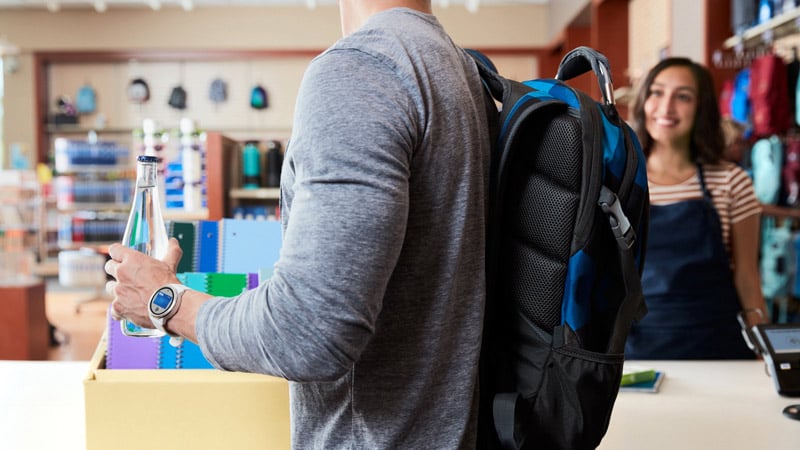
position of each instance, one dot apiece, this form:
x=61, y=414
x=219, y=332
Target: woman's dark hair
x=707, y=141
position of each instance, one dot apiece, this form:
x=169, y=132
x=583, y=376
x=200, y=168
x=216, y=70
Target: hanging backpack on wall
x=791, y=171
x=258, y=97
x=218, y=91
x=726, y=98
x=777, y=259
x=792, y=73
x=740, y=98
x=86, y=100
x=766, y=158
x=769, y=96
x=177, y=98
x=138, y=91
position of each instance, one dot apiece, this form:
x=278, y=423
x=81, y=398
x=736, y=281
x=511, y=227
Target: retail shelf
x=78, y=129
x=183, y=215
x=256, y=194
x=78, y=206
x=777, y=27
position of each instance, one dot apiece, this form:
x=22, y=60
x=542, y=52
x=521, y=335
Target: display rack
x=22, y=225
x=94, y=184
x=778, y=27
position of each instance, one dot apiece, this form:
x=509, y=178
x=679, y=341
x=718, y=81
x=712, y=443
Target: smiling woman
x=702, y=244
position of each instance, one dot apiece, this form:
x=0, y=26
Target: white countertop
x=41, y=405
x=701, y=405
x=704, y=405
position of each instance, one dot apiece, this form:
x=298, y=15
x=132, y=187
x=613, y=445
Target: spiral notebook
x=208, y=242
x=128, y=352
x=186, y=234
x=199, y=241
x=185, y=356
x=249, y=246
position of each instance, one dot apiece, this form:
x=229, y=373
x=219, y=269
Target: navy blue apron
x=688, y=287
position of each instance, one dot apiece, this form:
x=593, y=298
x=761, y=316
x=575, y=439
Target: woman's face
x=671, y=106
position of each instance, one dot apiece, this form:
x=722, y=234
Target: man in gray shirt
x=375, y=308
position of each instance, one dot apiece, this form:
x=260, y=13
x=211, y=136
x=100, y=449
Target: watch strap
x=160, y=322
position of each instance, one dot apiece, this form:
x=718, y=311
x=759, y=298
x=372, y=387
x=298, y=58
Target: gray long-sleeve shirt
x=374, y=311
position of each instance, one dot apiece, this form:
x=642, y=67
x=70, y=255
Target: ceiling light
x=100, y=6
x=154, y=4
x=311, y=4
x=187, y=5
x=444, y=3
x=472, y=5
x=53, y=6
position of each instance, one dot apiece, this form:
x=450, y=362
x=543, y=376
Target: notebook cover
x=651, y=386
x=191, y=357
x=249, y=245
x=127, y=352
x=226, y=284
x=194, y=280
x=185, y=356
x=208, y=243
x=252, y=280
x=168, y=356
x=185, y=233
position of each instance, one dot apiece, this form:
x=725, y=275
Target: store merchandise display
x=20, y=226
x=761, y=99
x=181, y=159
x=218, y=259
x=93, y=188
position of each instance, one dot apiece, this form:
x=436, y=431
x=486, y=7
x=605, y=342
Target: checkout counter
x=700, y=404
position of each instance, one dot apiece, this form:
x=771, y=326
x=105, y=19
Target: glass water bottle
x=145, y=230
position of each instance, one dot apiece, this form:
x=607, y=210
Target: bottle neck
x=146, y=174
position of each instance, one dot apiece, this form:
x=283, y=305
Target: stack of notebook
x=227, y=246
x=222, y=258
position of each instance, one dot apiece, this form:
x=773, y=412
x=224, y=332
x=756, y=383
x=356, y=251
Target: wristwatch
x=163, y=305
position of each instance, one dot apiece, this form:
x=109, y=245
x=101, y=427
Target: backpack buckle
x=620, y=225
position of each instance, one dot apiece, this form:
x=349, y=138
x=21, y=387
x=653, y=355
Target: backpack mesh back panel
x=539, y=245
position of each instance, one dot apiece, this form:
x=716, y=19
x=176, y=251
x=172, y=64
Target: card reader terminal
x=780, y=347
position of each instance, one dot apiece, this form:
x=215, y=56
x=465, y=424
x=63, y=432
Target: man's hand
x=136, y=277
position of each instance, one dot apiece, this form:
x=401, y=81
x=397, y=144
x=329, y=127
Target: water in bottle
x=145, y=230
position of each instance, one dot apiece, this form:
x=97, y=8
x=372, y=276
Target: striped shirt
x=731, y=191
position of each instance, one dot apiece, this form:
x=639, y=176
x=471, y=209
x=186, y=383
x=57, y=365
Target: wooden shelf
x=777, y=27
x=78, y=129
x=184, y=216
x=256, y=194
x=83, y=206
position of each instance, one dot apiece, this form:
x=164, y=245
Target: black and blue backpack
x=568, y=215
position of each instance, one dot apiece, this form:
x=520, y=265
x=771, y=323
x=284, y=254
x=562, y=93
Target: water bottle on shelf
x=274, y=163
x=145, y=230
x=251, y=158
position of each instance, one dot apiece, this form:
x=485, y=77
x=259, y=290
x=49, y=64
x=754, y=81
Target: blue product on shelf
x=251, y=165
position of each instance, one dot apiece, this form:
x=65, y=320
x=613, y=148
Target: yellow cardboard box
x=192, y=409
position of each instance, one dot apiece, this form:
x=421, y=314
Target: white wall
x=688, y=32
x=649, y=32
x=233, y=28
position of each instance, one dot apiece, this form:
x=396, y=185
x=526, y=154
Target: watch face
x=161, y=301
